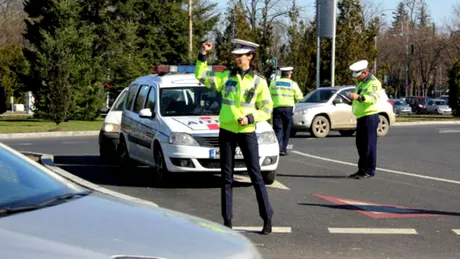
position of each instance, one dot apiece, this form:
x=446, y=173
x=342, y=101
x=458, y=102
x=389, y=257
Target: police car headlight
x=301, y=111
x=182, y=139
x=110, y=127
x=267, y=138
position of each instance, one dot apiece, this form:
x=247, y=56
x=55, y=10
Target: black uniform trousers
x=250, y=148
x=366, y=142
x=282, y=119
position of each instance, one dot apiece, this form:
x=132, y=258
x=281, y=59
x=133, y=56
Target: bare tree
x=268, y=10
x=11, y=22
x=453, y=28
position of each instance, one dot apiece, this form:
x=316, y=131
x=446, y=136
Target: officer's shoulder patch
x=375, y=87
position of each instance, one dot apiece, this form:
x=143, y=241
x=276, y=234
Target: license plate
x=215, y=153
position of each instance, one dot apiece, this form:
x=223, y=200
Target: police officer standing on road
x=245, y=101
x=365, y=108
x=285, y=93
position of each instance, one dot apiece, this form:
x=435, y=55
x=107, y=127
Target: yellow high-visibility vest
x=241, y=96
x=368, y=91
x=285, y=93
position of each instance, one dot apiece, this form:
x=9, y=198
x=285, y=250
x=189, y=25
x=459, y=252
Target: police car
x=171, y=122
x=109, y=134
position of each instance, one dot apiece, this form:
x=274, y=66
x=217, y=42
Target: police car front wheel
x=160, y=164
x=269, y=177
x=126, y=163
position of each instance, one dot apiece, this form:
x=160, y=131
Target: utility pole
x=190, y=31
x=318, y=44
x=334, y=14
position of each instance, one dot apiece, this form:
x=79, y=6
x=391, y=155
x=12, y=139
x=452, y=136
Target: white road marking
x=258, y=229
x=380, y=169
x=246, y=179
x=449, y=131
x=22, y=144
x=398, y=231
x=290, y=147
x=456, y=231
x=74, y=142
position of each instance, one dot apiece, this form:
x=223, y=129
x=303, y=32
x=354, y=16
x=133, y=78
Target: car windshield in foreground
x=189, y=101
x=319, y=96
x=26, y=187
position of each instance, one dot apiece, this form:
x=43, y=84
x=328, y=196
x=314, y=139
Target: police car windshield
x=319, y=96
x=189, y=101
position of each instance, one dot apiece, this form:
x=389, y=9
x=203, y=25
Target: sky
x=439, y=10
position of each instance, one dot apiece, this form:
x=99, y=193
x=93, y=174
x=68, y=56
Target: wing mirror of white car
x=337, y=100
x=146, y=113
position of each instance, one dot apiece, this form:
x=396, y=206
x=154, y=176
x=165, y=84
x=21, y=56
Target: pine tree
x=13, y=67
x=60, y=60
x=423, y=17
x=236, y=26
x=355, y=40
x=400, y=18
x=300, y=51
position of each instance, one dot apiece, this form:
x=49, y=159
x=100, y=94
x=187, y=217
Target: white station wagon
x=324, y=110
x=170, y=122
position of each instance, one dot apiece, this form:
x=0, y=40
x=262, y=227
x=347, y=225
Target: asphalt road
x=409, y=210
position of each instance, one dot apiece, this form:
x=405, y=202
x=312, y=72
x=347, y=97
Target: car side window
x=151, y=99
x=430, y=103
x=131, y=94
x=140, y=100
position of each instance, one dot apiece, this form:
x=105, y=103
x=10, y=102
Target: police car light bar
x=183, y=69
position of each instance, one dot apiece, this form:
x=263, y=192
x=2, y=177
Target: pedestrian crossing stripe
x=387, y=231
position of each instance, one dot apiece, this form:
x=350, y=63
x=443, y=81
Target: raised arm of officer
x=211, y=79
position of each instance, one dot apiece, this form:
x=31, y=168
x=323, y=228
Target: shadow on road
x=383, y=209
x=92, y=169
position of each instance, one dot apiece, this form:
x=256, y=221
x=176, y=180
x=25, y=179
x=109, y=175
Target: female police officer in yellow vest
x=246, y=100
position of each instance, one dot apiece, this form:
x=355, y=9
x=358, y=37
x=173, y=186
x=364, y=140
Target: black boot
x=267, y=229
x=228, y=223
x=357, y=175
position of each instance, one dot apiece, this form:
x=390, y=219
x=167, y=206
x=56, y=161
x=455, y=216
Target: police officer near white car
x=285, y=93
x=246, y=100
x=364, y=105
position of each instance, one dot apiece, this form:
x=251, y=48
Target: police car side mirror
x=146, y=113
x=337, y=100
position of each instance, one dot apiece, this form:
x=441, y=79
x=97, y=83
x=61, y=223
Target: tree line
x=70, y=53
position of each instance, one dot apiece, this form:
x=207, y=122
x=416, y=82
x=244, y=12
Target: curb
x=417, y=123
x=96, y=133
x=47, y=160
x=49, y=134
